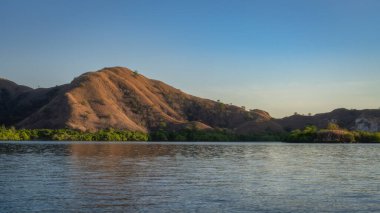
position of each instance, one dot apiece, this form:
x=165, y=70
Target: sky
x=282, y=56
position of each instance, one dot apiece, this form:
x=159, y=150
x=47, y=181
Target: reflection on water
x=191, y=177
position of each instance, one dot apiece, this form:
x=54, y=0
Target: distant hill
x=367, y=120
x=119, y=98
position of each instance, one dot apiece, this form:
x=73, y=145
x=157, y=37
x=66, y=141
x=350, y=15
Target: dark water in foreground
x=191, y=177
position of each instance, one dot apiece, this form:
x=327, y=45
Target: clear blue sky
x=282, y=56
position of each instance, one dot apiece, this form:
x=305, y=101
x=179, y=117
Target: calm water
x=191, y=177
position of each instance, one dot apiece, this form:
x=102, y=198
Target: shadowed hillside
x=19, y=102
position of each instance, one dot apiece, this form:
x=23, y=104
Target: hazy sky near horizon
x=283, y=56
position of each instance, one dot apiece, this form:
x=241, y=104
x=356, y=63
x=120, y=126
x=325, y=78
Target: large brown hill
x=118, y=98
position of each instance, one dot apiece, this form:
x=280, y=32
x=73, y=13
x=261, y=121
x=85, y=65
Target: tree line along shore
x=310, y=134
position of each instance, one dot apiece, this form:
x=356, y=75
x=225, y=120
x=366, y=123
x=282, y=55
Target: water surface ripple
x=189, y=177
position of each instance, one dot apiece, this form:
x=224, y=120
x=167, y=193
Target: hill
x=117, y=98
x=365, y=120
